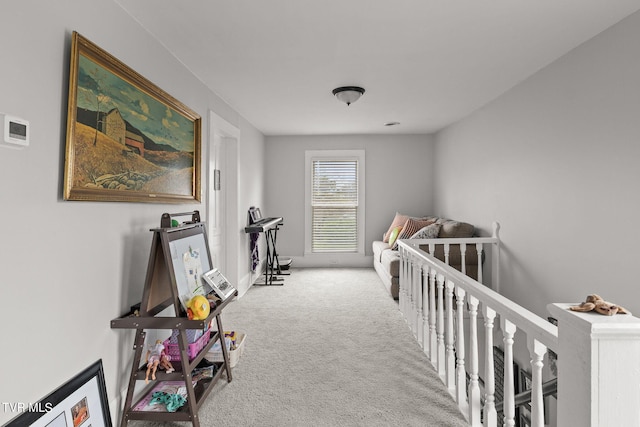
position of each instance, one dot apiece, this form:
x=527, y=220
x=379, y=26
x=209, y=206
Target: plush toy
x=596, y=303
x=198, y=308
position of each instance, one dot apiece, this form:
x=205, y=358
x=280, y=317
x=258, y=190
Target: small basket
x=193, y=349
x=215, y=354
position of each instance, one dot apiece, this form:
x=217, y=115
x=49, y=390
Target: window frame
x=334, y=155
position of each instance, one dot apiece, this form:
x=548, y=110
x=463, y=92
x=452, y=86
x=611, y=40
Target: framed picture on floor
x=81, y=401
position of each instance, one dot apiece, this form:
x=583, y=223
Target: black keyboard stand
x=272, y=269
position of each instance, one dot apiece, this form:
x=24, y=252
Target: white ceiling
x=423, y=63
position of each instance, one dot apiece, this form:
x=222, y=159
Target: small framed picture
x=219, y=283
x=80, y=402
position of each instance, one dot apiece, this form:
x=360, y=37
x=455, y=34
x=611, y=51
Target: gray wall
x=68, y=268
x=398, y=178
x=555, y=161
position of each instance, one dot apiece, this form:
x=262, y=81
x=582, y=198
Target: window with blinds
x=334, y=206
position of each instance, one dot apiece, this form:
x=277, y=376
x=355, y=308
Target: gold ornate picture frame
x=127, y=140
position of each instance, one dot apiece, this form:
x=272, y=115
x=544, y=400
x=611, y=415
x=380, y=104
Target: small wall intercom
x=15, y=131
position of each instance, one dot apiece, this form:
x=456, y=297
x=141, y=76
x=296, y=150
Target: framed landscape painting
x=127, y=140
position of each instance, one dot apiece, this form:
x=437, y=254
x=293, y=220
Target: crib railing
x=443, y=306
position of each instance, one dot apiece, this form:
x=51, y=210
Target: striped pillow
x=410, y=228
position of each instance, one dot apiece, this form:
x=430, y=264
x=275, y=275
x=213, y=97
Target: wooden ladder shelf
x=165, y=287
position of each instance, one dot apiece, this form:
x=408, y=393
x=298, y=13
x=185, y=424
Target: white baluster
x=461, y=380
x=412, y=297
x=479, y=249
x=403, y=262
x=537, y=351
x=508, y=331
x=463, y=257
x=425, y=312
x=403, y=285
x=449, y=341
x=446, y=253
x=433, y=343
x=440, y=326
x=419, y=312
x=474, y=387
x=490, y=416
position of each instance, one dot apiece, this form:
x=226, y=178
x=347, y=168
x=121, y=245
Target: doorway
x=222, y=195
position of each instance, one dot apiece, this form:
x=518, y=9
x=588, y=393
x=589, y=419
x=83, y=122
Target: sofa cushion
x=398, y=220
x=431, y=231
x=390, y=260
x=378, y=247
x=453, y=229
x=410, y=228
x=394, y=236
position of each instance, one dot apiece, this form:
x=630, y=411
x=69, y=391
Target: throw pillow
x=410, y=228
x=394, y=235
x=397, y=221
x=428, y=232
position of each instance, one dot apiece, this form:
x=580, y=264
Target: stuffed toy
x=596, y=303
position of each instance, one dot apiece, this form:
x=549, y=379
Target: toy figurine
x=165, y=362
x=154, y=355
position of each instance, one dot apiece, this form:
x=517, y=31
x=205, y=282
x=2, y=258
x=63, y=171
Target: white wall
x=555, y=161
x=398, y=178
x=68, y=268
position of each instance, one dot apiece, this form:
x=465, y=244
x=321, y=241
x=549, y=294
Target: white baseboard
x=332, y=260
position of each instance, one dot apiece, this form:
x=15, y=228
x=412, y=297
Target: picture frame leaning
x=127, y=140
x=81, y=401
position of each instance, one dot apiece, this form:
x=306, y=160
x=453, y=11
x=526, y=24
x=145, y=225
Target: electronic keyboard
x=263, y=224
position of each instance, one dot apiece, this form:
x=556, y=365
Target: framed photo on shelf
x=221, y=286
x=127, y=139
x=81, y=401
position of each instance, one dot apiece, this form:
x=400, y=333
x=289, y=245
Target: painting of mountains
x=127, y=140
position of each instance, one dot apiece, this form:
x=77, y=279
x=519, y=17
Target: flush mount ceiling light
x=348, y=94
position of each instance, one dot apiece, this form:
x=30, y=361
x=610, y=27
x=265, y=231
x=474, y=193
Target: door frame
x=228, y=135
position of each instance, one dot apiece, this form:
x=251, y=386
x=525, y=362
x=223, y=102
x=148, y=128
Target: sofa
x=386, y=258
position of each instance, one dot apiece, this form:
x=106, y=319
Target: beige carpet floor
x=329, y=348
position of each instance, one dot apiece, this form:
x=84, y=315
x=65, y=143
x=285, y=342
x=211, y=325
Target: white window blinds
x=334, y=205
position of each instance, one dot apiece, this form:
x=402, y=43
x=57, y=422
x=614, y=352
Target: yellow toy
x=198, y=308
